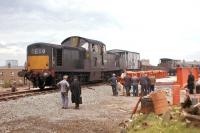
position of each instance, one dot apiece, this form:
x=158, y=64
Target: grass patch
x=171, y=122
x=6, y=84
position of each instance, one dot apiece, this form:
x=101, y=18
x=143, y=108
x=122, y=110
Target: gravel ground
x=100, y=113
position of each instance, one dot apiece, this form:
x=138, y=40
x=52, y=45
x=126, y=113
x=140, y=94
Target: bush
x=160, y=124
x=6, y=84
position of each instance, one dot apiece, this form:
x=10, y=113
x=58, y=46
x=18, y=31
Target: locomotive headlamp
x=45, y=74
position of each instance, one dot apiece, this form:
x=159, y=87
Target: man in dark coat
x=153, y=81
x=76, y=92
x=143, y=83
x=190, y=83
x=134, y=81
x=113, y=81
x=127, y=84
x=148, y=87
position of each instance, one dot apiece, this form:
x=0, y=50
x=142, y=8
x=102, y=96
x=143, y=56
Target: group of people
x=145, y=84
x=75, y=88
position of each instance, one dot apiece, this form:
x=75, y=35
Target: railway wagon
x=126, y=59
x=85, y=58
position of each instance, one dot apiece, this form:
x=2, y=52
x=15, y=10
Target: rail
x=16, y=95
x=20, y=94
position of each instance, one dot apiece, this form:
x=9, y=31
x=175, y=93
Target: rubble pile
x=159, y=115
x=171, y=121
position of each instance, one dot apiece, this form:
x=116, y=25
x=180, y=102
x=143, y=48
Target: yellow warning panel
x=38, y=62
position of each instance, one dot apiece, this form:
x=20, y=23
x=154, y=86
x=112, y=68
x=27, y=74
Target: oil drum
x=198, y=89
x=160, y=102
x=146, y=105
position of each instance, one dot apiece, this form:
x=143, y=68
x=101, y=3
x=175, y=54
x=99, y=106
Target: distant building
x=191, y=63
x=11, y=63
x=169, y=63
x=9, y=74
x=145, y=65
x=145, y=62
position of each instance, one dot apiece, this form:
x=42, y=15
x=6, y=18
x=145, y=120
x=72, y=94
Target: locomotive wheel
x=41, y=87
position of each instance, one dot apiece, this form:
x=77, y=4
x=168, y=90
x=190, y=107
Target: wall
x=10, y=74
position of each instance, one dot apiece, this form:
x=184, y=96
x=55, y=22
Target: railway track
x=16, y=95
x=25, y=93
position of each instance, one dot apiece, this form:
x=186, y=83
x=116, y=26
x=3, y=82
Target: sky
x=154, y=28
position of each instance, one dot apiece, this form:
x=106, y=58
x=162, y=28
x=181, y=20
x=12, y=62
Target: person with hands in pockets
x=64, y=88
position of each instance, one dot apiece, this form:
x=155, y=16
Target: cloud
x=45, y=21
x=155, y=29
x=23, y=18
x=2, y=45
x=16, y=51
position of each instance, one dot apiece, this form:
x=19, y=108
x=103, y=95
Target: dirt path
x=100, y=113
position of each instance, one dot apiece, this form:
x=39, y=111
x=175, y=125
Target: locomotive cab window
x=103, y=50
x=85, y=46
x=93, y=48
x=95, y=61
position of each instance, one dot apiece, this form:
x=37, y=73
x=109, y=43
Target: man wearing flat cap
x=64, y=88
x=113, y=81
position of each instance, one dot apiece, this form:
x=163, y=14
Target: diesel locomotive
x=85, y=58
